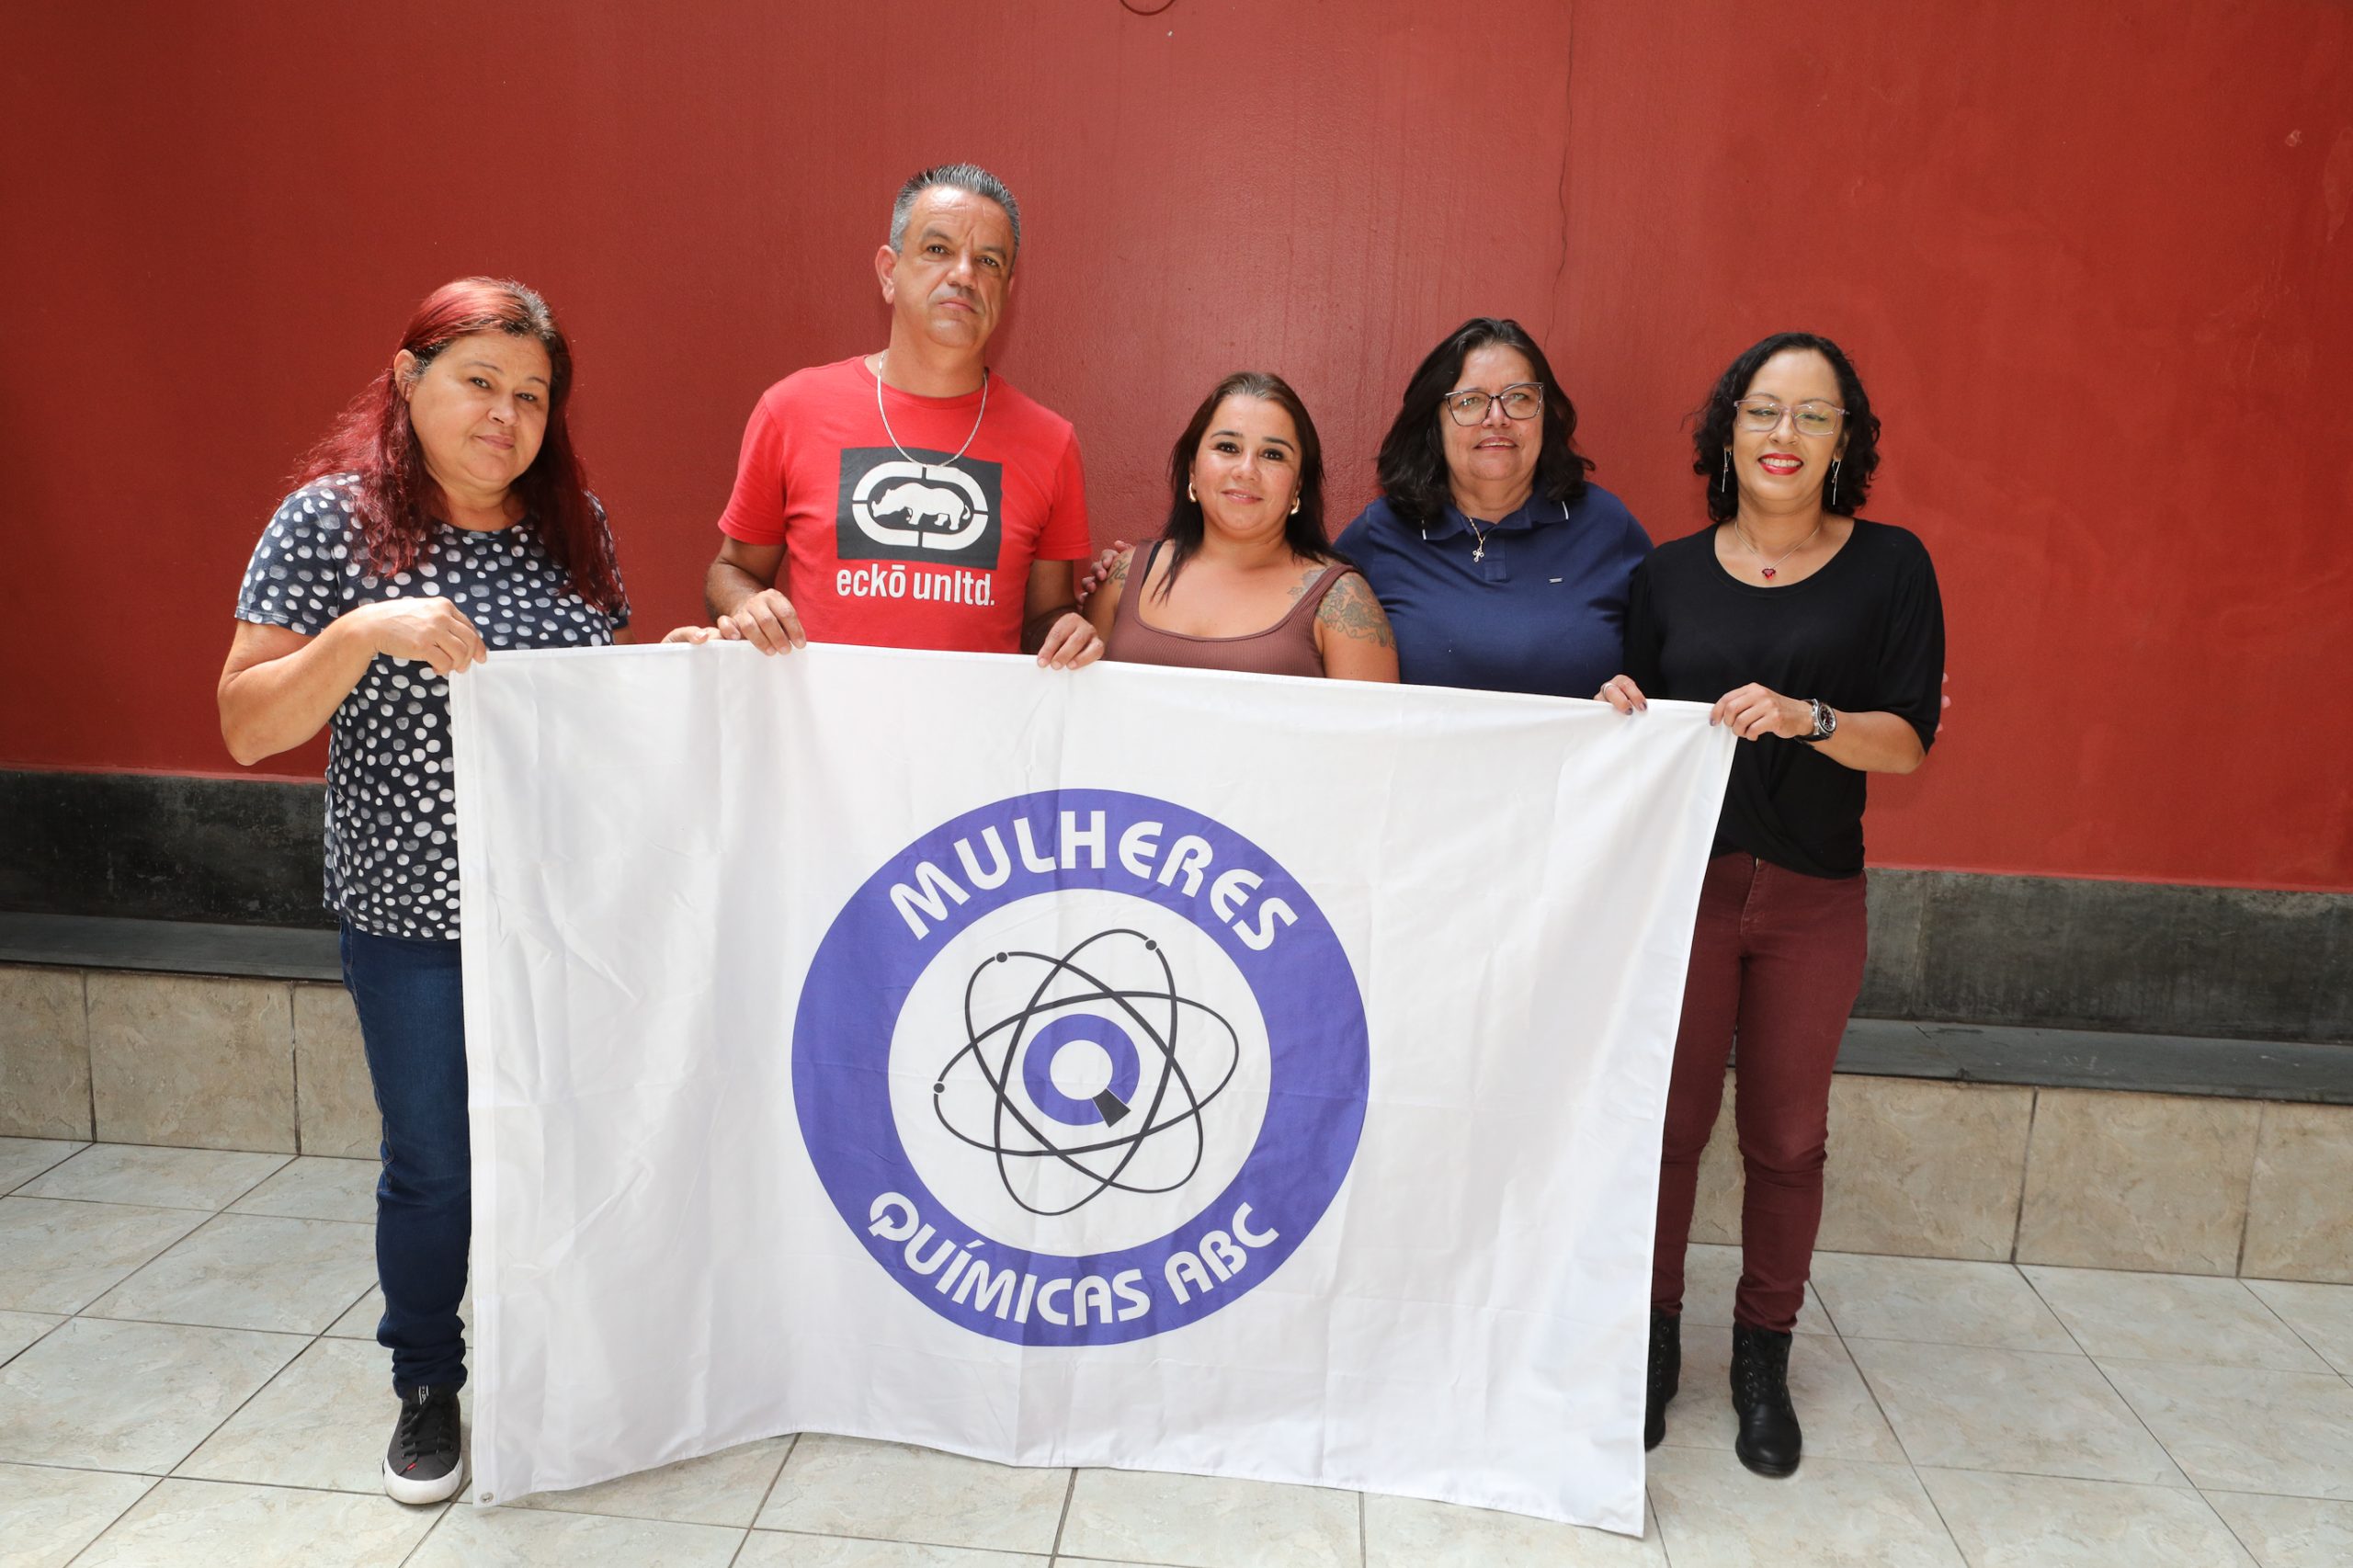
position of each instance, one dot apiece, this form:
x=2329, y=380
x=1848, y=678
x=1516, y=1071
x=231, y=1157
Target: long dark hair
x=1413, y=455
x=1302, y=531
x=1712, y=434
x=395, y=498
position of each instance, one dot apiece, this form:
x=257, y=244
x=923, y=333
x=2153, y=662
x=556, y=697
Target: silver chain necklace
x=923, y=467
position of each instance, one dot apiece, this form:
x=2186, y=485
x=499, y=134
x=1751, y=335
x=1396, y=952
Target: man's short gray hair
x=959, y=177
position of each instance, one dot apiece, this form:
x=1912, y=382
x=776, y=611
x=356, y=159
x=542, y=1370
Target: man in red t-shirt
x=909, y=498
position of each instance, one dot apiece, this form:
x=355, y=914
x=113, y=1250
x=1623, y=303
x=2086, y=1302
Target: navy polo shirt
x=1544, y=610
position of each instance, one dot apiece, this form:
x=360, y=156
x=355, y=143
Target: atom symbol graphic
x=1148, y=1061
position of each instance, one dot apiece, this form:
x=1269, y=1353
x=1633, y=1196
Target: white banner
x=1132, y=1067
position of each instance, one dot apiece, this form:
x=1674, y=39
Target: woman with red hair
x=444, y=516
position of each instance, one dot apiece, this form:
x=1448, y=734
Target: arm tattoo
x=1119, y=573
x=1351, y=610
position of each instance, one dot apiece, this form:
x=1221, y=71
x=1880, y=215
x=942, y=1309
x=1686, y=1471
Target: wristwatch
x=1825, y=722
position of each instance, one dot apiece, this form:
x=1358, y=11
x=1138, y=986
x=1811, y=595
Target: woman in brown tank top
x=1241, y=577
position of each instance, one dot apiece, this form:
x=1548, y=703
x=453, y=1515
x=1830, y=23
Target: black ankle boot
x=1666, y=1374
x=1770, y=1440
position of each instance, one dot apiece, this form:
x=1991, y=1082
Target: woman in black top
x=1819, y=637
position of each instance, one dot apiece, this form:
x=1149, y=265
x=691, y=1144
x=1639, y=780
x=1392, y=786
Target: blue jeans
x=412, y=1020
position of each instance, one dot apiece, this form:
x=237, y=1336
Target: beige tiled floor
x=186, y=1377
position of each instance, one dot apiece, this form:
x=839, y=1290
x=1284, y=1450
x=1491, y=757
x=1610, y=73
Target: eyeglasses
x=1522, y=401
x=1814, y=416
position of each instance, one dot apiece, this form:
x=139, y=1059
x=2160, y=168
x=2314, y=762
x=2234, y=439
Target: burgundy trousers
x=1777, y=960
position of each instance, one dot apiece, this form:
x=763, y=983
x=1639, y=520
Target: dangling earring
x=1834, y=482
x=1727, y=479
x=1294, y=506
x=1188, y=492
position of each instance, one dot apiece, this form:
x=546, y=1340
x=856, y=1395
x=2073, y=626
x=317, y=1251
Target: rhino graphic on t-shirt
x=911, y=503
x=918, y=506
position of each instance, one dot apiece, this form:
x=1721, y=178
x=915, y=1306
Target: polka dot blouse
x=391, y=832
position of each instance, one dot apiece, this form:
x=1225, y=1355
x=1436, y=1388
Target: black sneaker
x=424, y=1464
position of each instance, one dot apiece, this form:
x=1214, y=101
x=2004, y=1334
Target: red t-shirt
x=907, y=550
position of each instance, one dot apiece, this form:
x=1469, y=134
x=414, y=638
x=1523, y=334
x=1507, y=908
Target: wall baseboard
x=162, y=847
x=1948, y=947
x=2149, y=958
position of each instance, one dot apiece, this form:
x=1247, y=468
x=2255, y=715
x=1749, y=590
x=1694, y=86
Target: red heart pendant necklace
x=1774, y=565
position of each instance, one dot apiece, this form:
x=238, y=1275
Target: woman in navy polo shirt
x=1502, y=568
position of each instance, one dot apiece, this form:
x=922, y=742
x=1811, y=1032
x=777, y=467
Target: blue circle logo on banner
x=1080, y=1066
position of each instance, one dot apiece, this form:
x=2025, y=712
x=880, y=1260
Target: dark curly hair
x=1711, y=437
x=1302, y=531
x=1413, y=455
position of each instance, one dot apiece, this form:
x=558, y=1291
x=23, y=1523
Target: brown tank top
x=1286, y=648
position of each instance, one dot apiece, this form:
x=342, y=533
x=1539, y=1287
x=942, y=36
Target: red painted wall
x=2095, y=261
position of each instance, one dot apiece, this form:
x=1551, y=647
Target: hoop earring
x=1188, y=492
x=1726, y=485
x=1834, y=482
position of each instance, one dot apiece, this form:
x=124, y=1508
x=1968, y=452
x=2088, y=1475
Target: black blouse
x=1865, y=632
